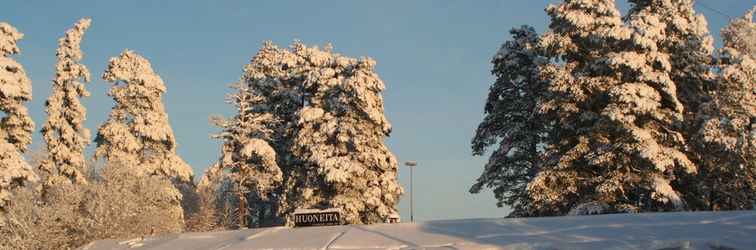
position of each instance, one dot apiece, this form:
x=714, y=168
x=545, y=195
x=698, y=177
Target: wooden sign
x=328, y=218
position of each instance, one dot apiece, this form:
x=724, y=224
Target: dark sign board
x=317, y=219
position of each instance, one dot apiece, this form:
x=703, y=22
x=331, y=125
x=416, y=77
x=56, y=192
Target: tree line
x=611, y=113
x=602, y=113
x=308, y=133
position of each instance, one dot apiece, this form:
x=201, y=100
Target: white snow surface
x=679, y=230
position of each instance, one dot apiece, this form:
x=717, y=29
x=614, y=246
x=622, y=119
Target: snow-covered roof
x=693, y=230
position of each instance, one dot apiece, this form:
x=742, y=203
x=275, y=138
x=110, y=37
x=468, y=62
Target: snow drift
x=683, y=230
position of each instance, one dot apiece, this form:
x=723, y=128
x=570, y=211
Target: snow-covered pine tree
x=247, y=154
x=686, y=40
x=339, y=138
x=16, y=126
x=726, y=139
x=670, y=47
x=137, y=134
x=619, y=137
x=266, y=105
x=64, y=133
x=740, y=34
x=512, y=120
x=322, y=115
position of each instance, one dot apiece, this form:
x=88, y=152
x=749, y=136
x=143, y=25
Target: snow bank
x=699, y=230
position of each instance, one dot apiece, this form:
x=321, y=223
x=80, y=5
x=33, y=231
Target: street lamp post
x=411, y=165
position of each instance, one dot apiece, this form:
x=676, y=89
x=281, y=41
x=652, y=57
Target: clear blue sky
x=433, y=56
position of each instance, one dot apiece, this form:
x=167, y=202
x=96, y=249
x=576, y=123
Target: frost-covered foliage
x=120, y=204
x=211, y=179
x=15, y=126
x=619, y=96
x=339, y=139
x=684, y=36
x=585, y=158
x=662, y=71
x=64, y=133
x=210, y=198
x=246, y=152
x=137, y=134
x=726, y=138
x=205, y=218
x=588, y=208
x=16, y=90
x=740, y=34
x=581, y=32
x=14, y=171
x=315, y=131
x=513, y=121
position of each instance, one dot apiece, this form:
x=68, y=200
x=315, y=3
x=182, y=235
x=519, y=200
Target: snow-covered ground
x=694, y=230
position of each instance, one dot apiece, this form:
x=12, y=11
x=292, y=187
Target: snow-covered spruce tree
x=64, y=133
x=513, y=121
x=137, y=134
x=16, y=126
x=726, y=139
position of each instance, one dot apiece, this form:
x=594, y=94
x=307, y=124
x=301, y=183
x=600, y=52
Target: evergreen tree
x=137, y=134
x=513, y=121
x=614, y=121
x=247, y=155
x=684, y=37
x=339, y=139
x=318, y=118
x=630, y=112
x=16, y=126
x=579, y=154
x=207, y=216
x=64, y=133
x=740, y=34
x=726, y=139
x=659, y=82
